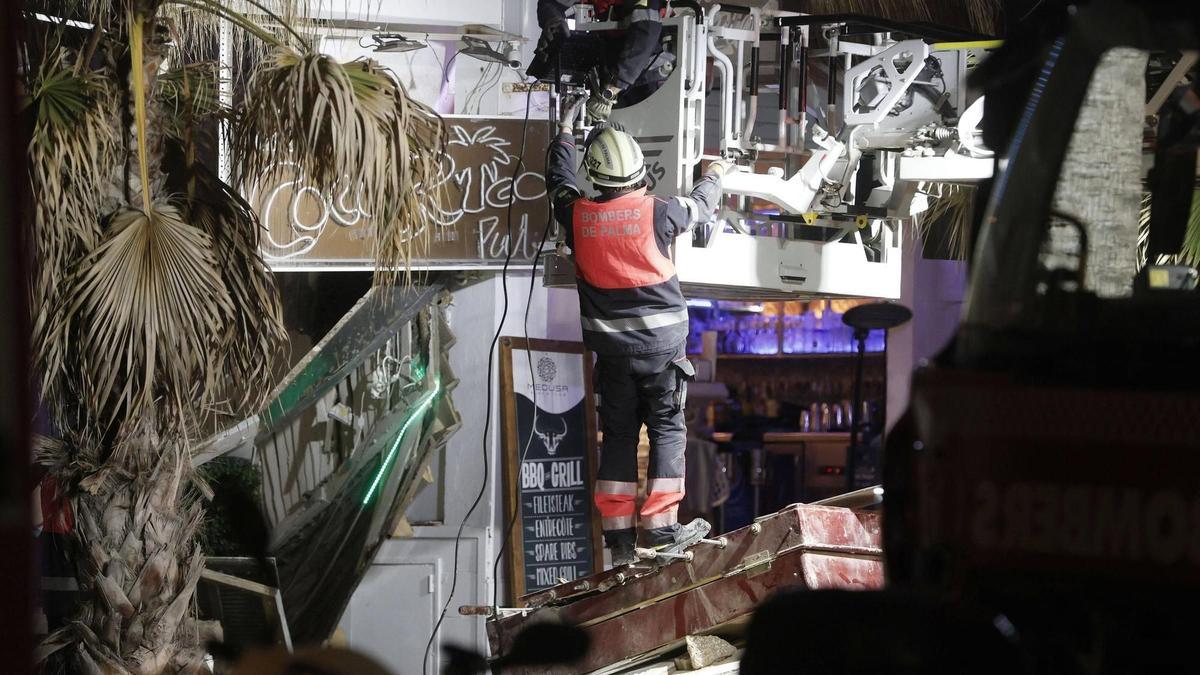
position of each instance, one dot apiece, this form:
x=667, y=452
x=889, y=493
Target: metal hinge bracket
x=753, y=564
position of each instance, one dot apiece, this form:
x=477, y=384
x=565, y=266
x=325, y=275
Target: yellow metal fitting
x=861, y=221
x=966, y=44
x=809, y=218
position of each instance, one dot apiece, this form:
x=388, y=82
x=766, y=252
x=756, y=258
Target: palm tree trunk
x=1100, y=183
x=139, y=565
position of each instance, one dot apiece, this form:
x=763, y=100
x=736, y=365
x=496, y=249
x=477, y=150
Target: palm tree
x=155, y=319
x=1100, y=180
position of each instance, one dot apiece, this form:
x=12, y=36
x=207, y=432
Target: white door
x=391, y=616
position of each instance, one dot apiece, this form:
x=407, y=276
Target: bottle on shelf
x=760, y=402
x=770, y=343
x=819, y=343
x=843, y=335
x=772, y=403
x=747, y=399
x=827, y=332
x=807, y=340
x=877, y=341
x=791, y=334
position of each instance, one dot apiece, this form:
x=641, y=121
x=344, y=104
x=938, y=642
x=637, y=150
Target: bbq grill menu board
x=549, y=463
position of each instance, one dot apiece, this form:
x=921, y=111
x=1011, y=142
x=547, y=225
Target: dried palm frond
x=198, y=25
x=979, y=15
x=73, y=152
x=147, y=309
x=252, y=30
x=349, y=125
x=1143, y=239
x=1189, y=252
x=190, y=96
x=986, y=16
x=948, y=217
x=255, y=334
x=196, y=30
x=310, y=103
x=420, y=139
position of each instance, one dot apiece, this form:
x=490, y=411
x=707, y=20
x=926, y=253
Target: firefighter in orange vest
x=642, y=21
x=635, y=319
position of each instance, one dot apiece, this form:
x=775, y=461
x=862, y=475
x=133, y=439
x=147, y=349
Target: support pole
x=860, y=334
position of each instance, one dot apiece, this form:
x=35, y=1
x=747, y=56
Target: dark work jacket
x=642, y=31
x=629, y=297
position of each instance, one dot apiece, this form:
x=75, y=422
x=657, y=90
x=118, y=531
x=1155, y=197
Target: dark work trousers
x=646, y=389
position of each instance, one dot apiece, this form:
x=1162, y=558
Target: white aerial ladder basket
x=801, y=229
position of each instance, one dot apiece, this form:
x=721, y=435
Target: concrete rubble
x=706, y=650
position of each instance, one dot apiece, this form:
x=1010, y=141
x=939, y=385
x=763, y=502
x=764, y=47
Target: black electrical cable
x=488, y=406
x=444, y=66
x=481, y=88
x=537, y=254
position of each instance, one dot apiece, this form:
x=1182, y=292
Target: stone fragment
x=706, y=650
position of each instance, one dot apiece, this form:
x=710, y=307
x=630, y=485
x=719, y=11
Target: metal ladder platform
x=639, y=612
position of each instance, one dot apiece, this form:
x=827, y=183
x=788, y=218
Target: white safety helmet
x=613, y=159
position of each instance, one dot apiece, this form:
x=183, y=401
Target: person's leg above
x=615, y=492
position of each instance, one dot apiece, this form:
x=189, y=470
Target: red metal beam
x=628, y=614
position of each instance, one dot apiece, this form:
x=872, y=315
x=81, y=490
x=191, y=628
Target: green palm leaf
x=60, y=97
x=190, y=95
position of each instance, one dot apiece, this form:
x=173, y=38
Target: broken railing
x=343, y=443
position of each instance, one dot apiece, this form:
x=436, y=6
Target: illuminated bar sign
x=308, y=230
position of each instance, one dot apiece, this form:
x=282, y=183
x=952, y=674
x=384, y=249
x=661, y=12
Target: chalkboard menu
x=549, y=429
x=306, y=229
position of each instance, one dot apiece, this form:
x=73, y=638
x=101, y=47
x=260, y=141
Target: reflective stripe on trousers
x=649, y=321
x=614, y=500
x=661, y=508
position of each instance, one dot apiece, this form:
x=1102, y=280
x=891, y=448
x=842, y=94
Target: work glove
x=570, y=115
x=720, y=167
x=600, y=105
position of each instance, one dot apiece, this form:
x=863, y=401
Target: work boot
x=621, y=544
x=685, y=536
x=623, y=554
